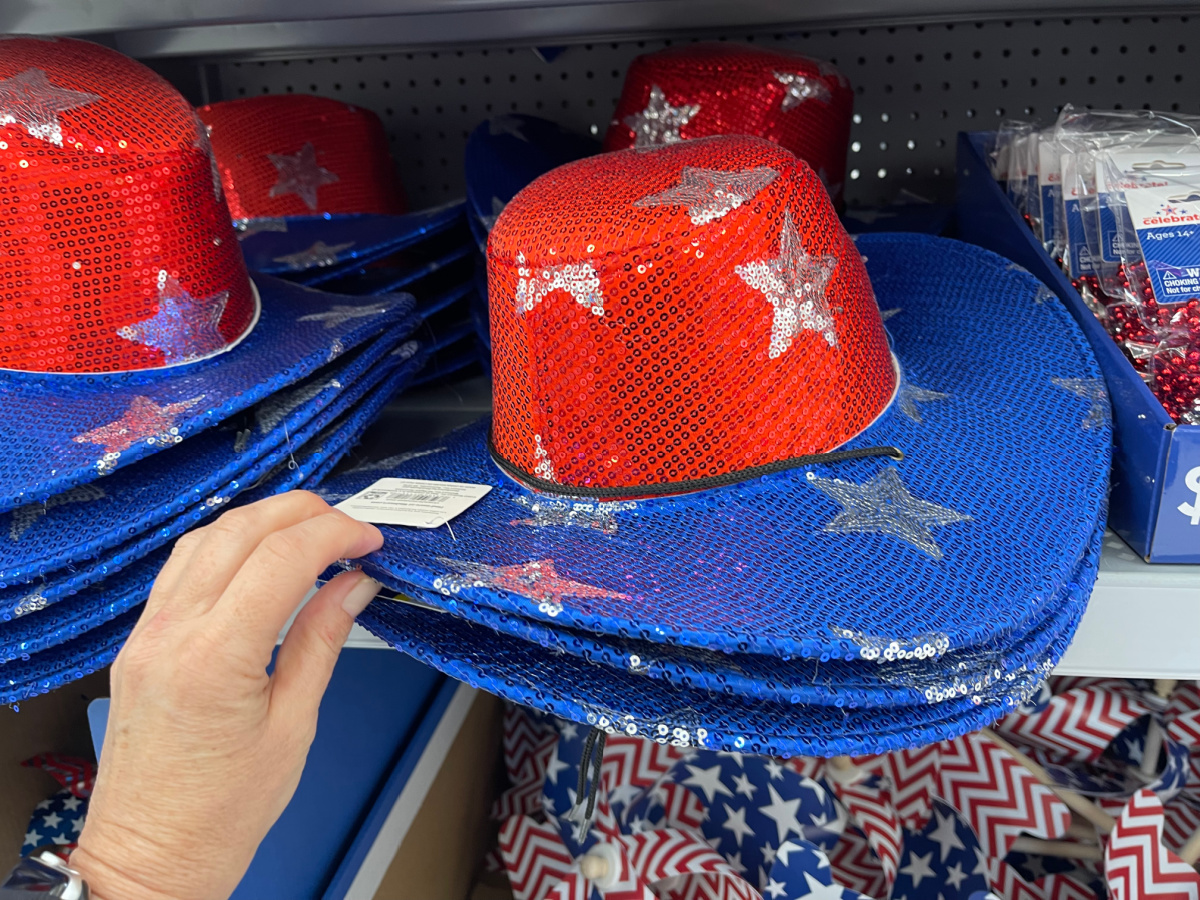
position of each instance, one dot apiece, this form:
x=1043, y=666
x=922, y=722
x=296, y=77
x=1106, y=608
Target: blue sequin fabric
x=76, y=429
x=81, y=523
x=316, y=249
x=28, y=599
x=968, y=542
x=84, y=633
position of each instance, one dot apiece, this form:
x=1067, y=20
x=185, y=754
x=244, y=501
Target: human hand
x=203, y=750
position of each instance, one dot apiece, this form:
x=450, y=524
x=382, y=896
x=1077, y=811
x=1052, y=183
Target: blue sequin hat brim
x=1004, y=425
x=315, y=249
x=627, y=703
x=68, y=430
x=848, y=683
x=82, y=523
x=303, y=462
x=26, y=599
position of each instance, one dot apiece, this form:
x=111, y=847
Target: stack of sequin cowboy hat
x=728, y=505
x=314, y=195
x=146, y=381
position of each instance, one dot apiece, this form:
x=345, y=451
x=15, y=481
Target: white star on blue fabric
x=794, y=284
x=774, y=890
x=318, y=256
x=918, y=867
x=946, y=834
x=249, y=227
x=883, y=505
x=911, y=395
x=955, y=875
x=30, y=100
x=300, y=174
x=783, y=814
x=185, y=328
x=801, y=88
x=710, y=194
x=25, y=517
x=708, y=781
x=1092, y=390
x=735, y=821
x=659, y=122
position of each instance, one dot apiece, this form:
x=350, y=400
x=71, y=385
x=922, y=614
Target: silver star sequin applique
x=710, y=194
x=143, y=421
x=300, y=174
x=1092, y=390
x=883, y=505
x=910, y=395
x=800, y=88
x=185, y=328
x=489, y=222
x=318, y=256
x=341, y=313
x=544, y=468
x=25, y=517
x=510, y=125
x=794, y=283
x=29, y=99
x=659, y=122
x=577, y=279
x=827, y=70
x=30, y=603
x=886, y=314
x=550, y=513
x=249, y=227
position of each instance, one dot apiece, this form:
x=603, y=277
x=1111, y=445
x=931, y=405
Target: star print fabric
x=80, y=121
x=57, y=820
x=700, y=90
x=299, y=155
x=638, y=244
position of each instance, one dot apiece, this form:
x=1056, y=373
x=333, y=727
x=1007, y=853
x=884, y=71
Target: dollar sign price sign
x=1193, y=483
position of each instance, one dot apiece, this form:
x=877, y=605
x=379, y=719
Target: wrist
x=116, y=876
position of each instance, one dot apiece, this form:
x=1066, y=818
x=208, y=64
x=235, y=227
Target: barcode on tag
x=412, y=502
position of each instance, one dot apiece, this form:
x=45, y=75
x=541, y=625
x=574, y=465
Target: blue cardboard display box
x=1155, y=499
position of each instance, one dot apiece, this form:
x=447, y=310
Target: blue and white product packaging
x=1166, y=221
x=1172, y=164
x=1049, y=227
x=1018, y=164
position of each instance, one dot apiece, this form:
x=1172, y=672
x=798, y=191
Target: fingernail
x=360, y=595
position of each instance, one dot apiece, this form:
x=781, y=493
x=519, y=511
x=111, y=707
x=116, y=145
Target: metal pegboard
x=916, y=85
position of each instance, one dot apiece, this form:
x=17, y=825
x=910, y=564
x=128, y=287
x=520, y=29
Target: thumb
x=310, y=650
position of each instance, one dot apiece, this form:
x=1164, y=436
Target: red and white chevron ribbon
x=999, y=797
x=1181, y=819
x=672, y=854
x=871, y=811
x=1007, y=882
x=528, y=745
x=536, y=859
x=1185, y=728
x=682, y=809
x=1077, y=724
x=635, y=761
x=1137, y=865
x=913, y=781
x=855, y=866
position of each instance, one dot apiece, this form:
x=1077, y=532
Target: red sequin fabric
x=699, y=90
x=298, y=155
x=118, y=251
x=679, y=313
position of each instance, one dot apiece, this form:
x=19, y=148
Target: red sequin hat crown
x=299, y=155
x=677, y=315
x=118, y=251
x=700, y=90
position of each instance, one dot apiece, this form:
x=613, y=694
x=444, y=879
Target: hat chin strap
x=676, y=488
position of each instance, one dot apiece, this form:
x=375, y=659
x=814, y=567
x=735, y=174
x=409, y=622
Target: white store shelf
x=1143, y=621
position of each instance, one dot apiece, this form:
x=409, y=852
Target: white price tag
x=412, y=502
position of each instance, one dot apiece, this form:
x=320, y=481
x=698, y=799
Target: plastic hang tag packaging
x=1018, y=165
x=1158, y=163
x=1049, y=180
x=1167, y=224
x=1077, y=184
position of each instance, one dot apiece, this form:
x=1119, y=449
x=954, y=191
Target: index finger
x=283, y=567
